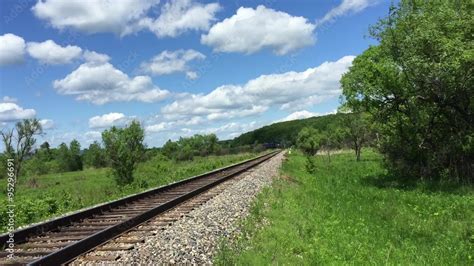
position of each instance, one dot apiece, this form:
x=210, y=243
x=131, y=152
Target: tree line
x=121, y=149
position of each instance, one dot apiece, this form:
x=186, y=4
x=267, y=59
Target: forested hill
x=285, y=133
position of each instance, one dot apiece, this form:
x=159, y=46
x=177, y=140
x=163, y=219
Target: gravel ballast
x=195, y=237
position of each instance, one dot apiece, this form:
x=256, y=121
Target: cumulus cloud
x=191, y=75
x=251, y=30
x=10, y=112
x=12, y=49
x=101, y=83
x=127, y=16
x=94, y=57
x=93, y=16
x=180, y=16
x=9, y=99
x=225, y=131
x=346, y=7
x=109, y=120
x=231, y=129
x=168, y=62
x=257, y=95
x=162, y=126
x=46, y=123
x=155, y=127
x=297, y=115
x=49, y=52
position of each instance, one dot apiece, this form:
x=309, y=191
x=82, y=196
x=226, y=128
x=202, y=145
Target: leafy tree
x=332, y=138
x=75, y=159
x=357, y=132
x=309, y=141
x=94, y=156
x=44, y=152
x=35, y=166
x=3, y=166
x=187, y=148
x=185, y=152
x=20, y=140
x=124, y=149
x=170, y=149
x=63, y=156
x=418, y=86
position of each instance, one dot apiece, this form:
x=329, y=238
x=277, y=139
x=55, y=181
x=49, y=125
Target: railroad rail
x=61, y=240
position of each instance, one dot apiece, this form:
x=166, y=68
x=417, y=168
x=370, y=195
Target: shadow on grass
x=427, y=186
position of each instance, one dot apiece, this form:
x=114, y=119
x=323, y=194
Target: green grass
x=351, y=212
x=40, y=197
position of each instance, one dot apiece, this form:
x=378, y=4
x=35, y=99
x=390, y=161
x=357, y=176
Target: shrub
x=124, y=148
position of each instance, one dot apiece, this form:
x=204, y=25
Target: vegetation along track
x=63, y=239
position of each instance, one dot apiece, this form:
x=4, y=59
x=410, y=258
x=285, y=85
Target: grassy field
x=42, y=197
x=352, y=213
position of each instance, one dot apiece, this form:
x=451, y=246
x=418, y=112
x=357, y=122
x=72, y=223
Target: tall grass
x=41, y=197
x=351, y=212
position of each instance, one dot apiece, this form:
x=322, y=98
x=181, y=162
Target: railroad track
x=61, y=240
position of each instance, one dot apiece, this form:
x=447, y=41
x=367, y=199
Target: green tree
x=357, y=132
x=63, y=156
x=3, y=166
x=94, y=156
x=19, y=141
x=188, y=147
x=170, y=149
x=309, y=141
x=44, y=152
x=332, y=138
x=418, y=86
x=124, y=149
x=75, y=158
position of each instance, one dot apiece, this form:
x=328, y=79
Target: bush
x=124, y=148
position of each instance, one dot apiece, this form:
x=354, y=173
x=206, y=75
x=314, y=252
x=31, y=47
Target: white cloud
x=305, y=102
x=46, y=123
x=168, y=62
x=298, y=115
x=127, y=16
x=101, y=83
x=225, y=131
x=93, y=16
x=250, y=111
x=109, y=120
x=10, y=112
x=251, y=30
x=191, y=75
x=180, y=16
x=170, y=125
x=346, y=7
x=232, y=128
x=12, y=49
x=258, y=95
x=94, y=57
x=302, y=115
x=49, y=52
x=157, y=127
x=9, y=99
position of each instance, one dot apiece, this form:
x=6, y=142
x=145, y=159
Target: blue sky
x=180, y=67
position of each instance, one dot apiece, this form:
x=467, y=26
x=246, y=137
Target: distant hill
x=285, y=133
